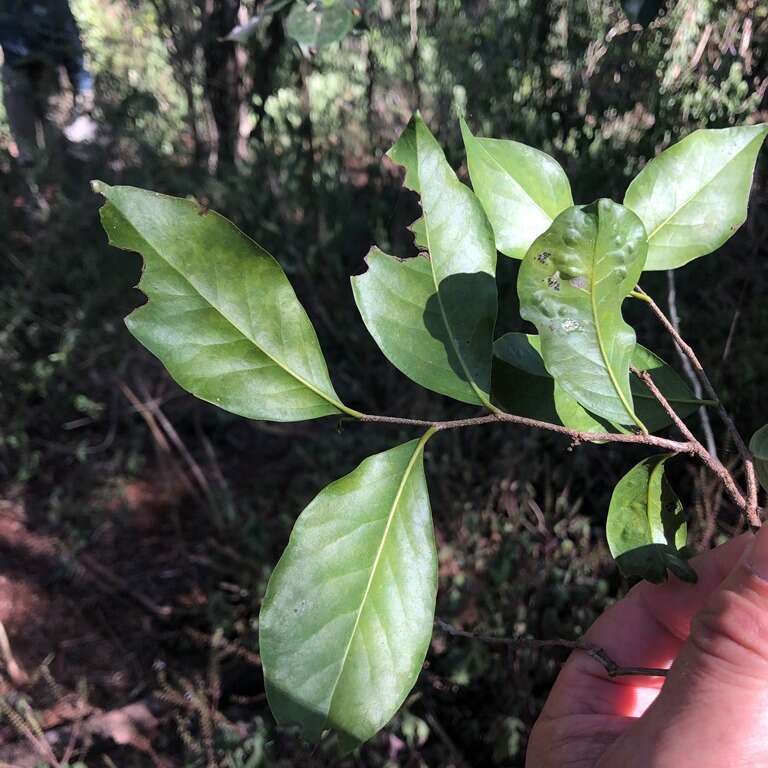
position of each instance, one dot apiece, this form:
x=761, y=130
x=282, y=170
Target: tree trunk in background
x=222, y=78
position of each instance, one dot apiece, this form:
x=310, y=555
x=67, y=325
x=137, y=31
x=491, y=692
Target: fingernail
x=758, y=557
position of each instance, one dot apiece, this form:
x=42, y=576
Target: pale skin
x=712, y=709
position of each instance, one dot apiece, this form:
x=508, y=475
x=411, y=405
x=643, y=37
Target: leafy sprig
x=349, y=610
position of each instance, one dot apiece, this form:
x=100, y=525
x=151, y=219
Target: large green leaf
x=399, y=306
x=759, y=447
x=646, y=526
x=451, y=294
x=221, y=315
x=522, y=386
x=694, y=195
x=521, y=188
x=571, y=285
x=347, y=618
x=320, y=23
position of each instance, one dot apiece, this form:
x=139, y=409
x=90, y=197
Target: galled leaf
x=571, y=285
x=521, y=189
x=646, y=526
x=759, y=447
x=221, y=315
x=347, y=618
x=522, y=386
x=694, y=195
x=452, y=293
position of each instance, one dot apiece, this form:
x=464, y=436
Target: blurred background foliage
x=105, y=457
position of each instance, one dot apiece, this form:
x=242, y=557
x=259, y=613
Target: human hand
x=712, y=709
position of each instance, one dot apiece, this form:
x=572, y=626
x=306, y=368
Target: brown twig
x=710, y=461
x=600, y=655
x=750, y=508
x=576, y=436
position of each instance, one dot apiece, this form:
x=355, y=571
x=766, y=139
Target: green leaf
x=571, y=285
x=759, y=447
x=646, y=526
x=319, y=23
x=694, y=195
x=221, y=315
x=347, y=618
x=434, y=317
x=521, y=189
x=522, y=386
x=399, y=306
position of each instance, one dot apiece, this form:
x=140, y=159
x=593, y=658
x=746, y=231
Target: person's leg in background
x=20, y=103
x=26, y=94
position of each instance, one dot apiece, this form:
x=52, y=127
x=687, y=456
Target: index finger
x=645, y=629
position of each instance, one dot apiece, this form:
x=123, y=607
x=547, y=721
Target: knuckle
x=733, y=627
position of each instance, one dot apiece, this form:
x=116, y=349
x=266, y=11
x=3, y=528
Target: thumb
x=728, y=643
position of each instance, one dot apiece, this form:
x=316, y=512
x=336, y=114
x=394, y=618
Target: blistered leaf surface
x=571, y=285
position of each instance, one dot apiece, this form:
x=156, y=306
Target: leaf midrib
x=600, y=341
x=300, y=379
x=507, y=173
x=377, y=558
x=699, y=190
x=470, y=379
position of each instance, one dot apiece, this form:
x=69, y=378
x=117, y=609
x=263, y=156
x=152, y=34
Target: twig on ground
x=16, y=674
x=595, y=652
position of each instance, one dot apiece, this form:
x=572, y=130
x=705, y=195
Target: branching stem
x=710, y=461
x=750, y=507
x=691, y=445
x=576, y=436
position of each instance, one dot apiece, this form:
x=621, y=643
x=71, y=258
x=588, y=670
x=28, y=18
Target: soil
x=90, y=625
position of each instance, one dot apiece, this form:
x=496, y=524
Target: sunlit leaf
x=347, y=618
x=434, y=317
x=646, y=526
x=522, y=386
x=521, y=189
x=399, y=306
x=221, y=315
x=318, y=24
x=759, y=447
x=694, y=195
x=571, y=285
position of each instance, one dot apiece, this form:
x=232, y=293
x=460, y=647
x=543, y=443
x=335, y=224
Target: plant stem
x=710, y=461
x=706, y=426
x=751, y=508
x=600, y=655
x=675, y=446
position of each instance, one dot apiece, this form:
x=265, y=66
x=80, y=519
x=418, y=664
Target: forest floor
x=89, y=629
